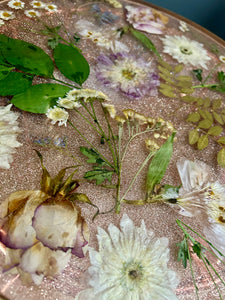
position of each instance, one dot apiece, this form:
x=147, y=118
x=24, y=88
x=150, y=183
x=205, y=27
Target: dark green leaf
x=4, y=71
x=221, y=77
x=99, y=175
x=221, y=140
x=26, y=57
x=159, y=164
x=145, y=40
x=197, y=248
x=198, y=74
x=71, y=63
x=53, y=42
x=93, y=156
x=15, y=83
x=39, y=98
x=183, y=252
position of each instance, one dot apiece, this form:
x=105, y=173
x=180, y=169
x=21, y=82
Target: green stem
x=65, y=83
x=205, y=85
x=191, y=267
x=210, y=73
x=214, y=270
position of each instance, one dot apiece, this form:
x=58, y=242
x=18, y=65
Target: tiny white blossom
x=110, y=109
x=32, y=13
x=222, y=58
x=57, y=114
x=183, y=26
x=2, y=22
x=6, y=15
x=51, y=7
x=16, y=4
x=37, y=4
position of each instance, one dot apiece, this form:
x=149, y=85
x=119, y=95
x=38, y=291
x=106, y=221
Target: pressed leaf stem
x=65, y=83
x=191, y=267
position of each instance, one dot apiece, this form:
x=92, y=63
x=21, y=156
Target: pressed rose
x=41, y=229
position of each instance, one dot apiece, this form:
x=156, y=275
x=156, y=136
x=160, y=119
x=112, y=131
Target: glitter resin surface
x=107, y=39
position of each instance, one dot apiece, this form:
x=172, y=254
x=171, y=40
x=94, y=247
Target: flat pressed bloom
x=146, y=19
x=6, y=15
x=115, y=3
x=222, y=58
x=57, y=114
x=8, y=133
x=16, y=4
x=107, y=38
x=186, y=51
x=37, y=4
x=183, y=26
x=2, y=22
x=130, y=264
x=51, y=7
x=130, y=75
x=31, y=13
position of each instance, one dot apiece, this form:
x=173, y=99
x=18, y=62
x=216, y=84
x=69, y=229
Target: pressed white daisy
x=17, y=4
x=57, y=114
x=185, y=50
x=110, y=109
x=1, y=22
x=222, y=58
x=183, y=26
x=130, y=264
x=51, y=7
x=106, y=39
x=37, y=4
x=6, y=15
x=8, y=133
x=32, y=13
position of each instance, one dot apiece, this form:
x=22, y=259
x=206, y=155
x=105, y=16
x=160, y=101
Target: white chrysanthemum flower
x=37, y=4
x=222, y=58
x=8, y=133
x=185, y=50
x=183, y=26
x=108, y=39
x=57, y=114
x=130, y=264
x=6, y=15
x=32, y=13
x=17, y=4
x=51, y=7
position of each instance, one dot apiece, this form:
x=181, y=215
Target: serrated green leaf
x=218, y=117
x=216, y=104
x=4, y=71
x=93, y=156
x=202, y=113
x=168, y=93
x=189, y=99
x=221, y=157
x=193, y=117
x=199, y=101
x=205, y=124
x=221, y=140
x=206, y=102
x=203, y=142
x=71, y=63
x=183, y=252
x=39, y=98
x=193, y=136
x=208, y=115
x=166, y=86
x=198, y=74
x=215, y=130
x=186, y=90
x=184, y=78
x=15, y=83
x=168, y=79
x=145, y=40
x=166, y=65
x=164, y=71
x=159, y=164
x=178, y=68
x=99, y=174
x=26, y=57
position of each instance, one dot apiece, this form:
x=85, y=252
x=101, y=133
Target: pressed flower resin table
x=139, y=61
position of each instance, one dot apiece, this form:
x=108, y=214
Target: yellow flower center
x=5, y=14
x=185, y=50
x=17, y=4
x=32, y=13
x=50, y=7
x=128, y=74
x=38, y=4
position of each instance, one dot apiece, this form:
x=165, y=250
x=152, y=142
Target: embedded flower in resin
x=130, y=264
x=186, y=51
x=32, y=13
x=57, y=114
x=16, y=4
x=146, y=19
x=106, y=39
x=6, y=15
x=37, y=4
x=8, y=133
x=130, y=75
x=42, y=229
x=51, y=7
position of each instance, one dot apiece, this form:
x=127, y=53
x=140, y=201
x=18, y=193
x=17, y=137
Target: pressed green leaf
x=15, y=83
x=198, y=74
x=183, y=252
x=165, y=65
x=164, y=71
x=216, y=104
x=203, y=142
x=193, y=117
x=71, y=63
x=199, y=101
x=178, y=68
x=26, y=57
x=166, y=86
x=186, y=90
x=4, y=71
x=189, y=99
x=79, y=197
x=215, y=130
x=193, y=136
x=99, y=175
x=184, y=78
x=145, y=40
x=208, y=115
x=218, y=118
x=221, y=157
x=39, y=98
x=202, y=113
x=167, y=93
x=206, y=102
x=197, y=248
x=167, y=78
x=221, y=140
x=205, y=124
x=93, y=156
x=159, y=164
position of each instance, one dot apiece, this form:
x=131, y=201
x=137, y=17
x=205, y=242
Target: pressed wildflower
x=32, y=13
x=222, y=58
x=107, y=39
x=151, y=145
x=130, y=75
x=2, y=22
x=146, y=19
x=183, y=26
x=130, y=264
x=37, y=4
x=104, y=17
x=57, y=114
x=17, y=4
x=6, y=15
x=8, y=133
x=110, y=109
x=114, y=3
x=186, y=51
x=51, y=7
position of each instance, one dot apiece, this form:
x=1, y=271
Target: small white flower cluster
x=31, y=13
